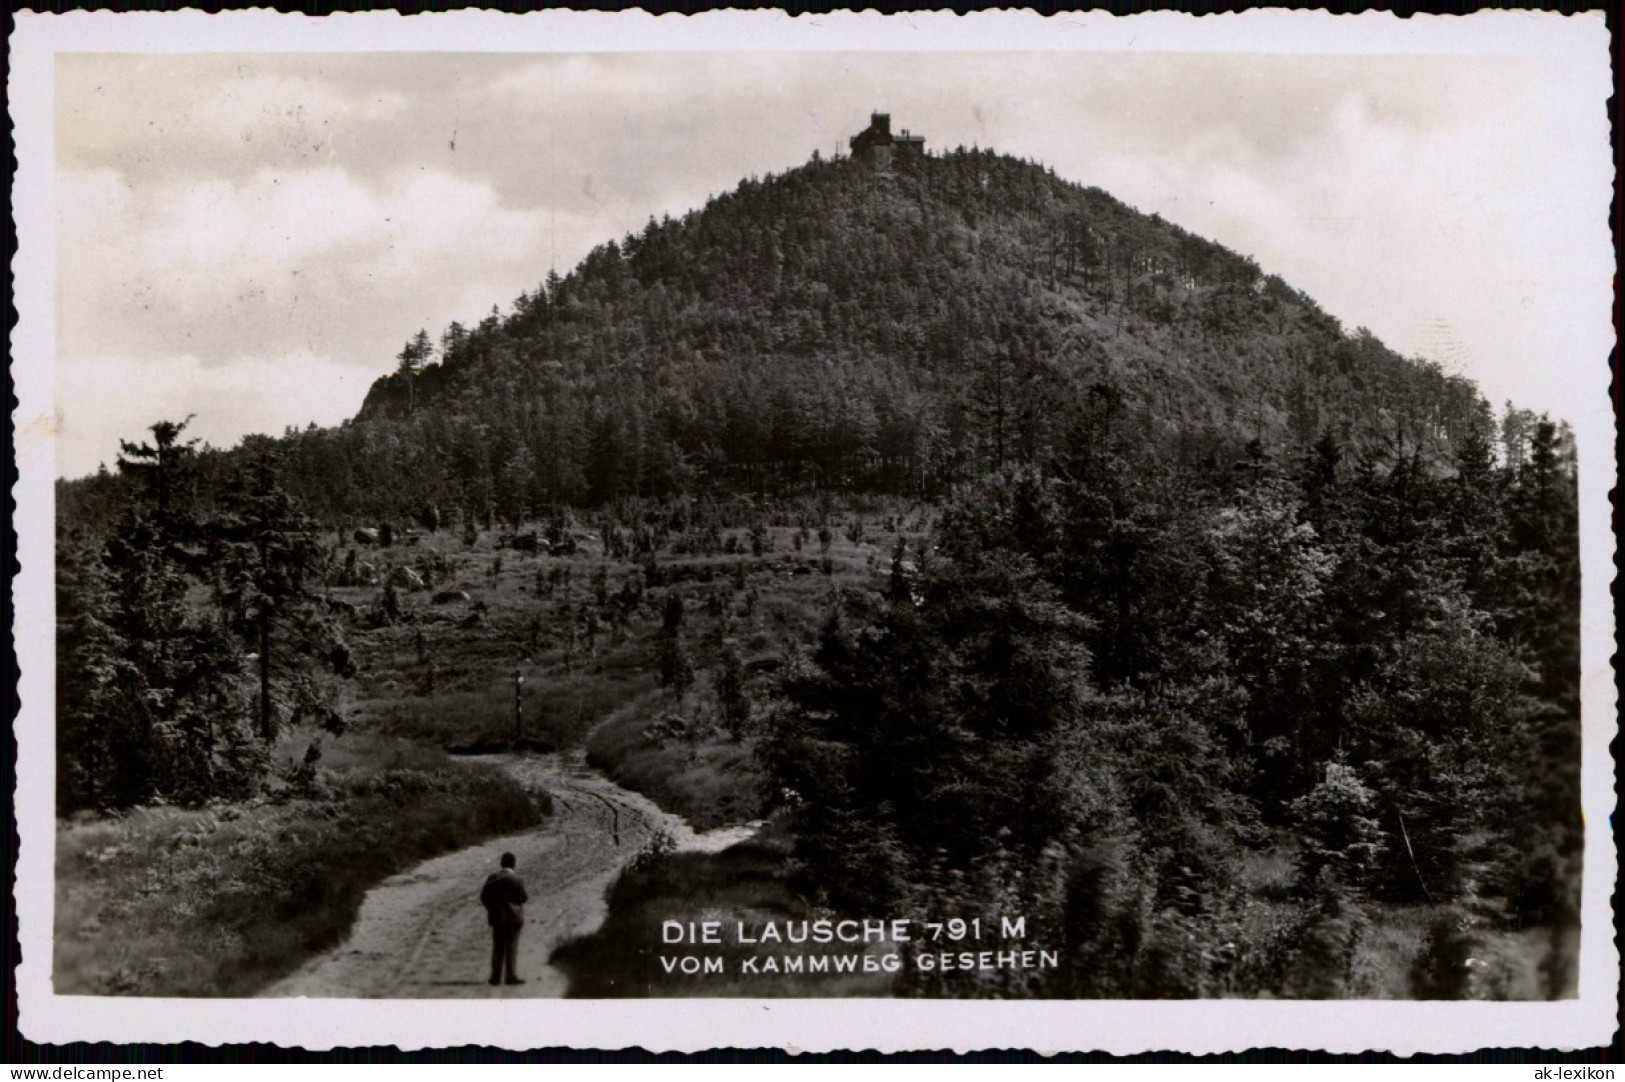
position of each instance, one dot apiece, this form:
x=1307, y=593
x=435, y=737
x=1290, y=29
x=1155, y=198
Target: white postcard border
x=810, y=1025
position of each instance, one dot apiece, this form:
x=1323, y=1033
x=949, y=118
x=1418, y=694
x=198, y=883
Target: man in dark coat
x=504, y=897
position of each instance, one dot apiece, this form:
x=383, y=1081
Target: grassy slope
x=675, y=752
x=604, y=695
x=222, y=901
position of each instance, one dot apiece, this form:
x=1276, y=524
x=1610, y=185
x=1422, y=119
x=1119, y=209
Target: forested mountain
x=850, y=327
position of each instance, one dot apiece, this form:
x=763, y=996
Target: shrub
x=1341, y=838
x=263, y=886
x=1441, y=969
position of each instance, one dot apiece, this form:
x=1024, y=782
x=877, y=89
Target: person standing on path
x=504, y=897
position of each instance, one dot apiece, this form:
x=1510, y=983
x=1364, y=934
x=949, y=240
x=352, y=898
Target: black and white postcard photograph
x=595, y=530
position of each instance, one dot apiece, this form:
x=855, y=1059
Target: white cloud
x=287, y=107
x=283, y=261
x=197, y=296
x=103, y=399
x=162, y=116
x=1457, y=242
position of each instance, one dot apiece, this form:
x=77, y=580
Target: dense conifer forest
x=841, y=327
x=1203, y=633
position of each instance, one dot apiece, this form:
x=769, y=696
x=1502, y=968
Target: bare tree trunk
x=267, y=722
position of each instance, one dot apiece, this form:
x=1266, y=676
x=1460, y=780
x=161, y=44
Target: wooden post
x=518, y=708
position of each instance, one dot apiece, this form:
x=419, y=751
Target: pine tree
x=921, y=741
x=730, y=689
x=149, y=696
x=410, y=363
x=266, y=552
x=89, y=668
x=166, y=469
x=1340, y=832
x=676, y=670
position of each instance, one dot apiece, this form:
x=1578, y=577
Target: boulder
x=342, y=608
x=404, y=578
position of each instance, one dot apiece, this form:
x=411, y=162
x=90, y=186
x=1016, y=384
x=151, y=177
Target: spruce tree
x=266, y=552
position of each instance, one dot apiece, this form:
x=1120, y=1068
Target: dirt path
x=423, y=935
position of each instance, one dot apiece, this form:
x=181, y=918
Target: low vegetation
x=747, y=883
x=221, y=900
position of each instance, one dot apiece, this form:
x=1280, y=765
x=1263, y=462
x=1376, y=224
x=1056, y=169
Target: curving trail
x=423, y=935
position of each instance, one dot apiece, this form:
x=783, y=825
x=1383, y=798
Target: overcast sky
x=252, y=238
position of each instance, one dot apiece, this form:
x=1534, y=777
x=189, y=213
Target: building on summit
x=877, y=144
